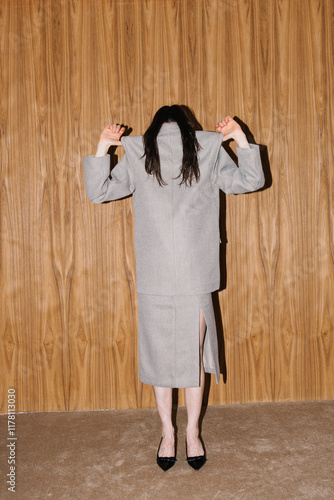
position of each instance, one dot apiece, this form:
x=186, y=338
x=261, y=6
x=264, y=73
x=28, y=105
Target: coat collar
x=169, y=128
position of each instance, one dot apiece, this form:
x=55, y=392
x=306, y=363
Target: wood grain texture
x=68, y=328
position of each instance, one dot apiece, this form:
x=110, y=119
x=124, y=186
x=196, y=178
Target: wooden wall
x=68, y=300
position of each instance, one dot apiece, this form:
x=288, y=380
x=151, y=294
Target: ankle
x=167, y=431
x=192, y=431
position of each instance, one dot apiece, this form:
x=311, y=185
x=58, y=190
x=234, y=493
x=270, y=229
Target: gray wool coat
x=176, y=227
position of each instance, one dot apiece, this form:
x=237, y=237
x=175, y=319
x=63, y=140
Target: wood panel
x=68, y=330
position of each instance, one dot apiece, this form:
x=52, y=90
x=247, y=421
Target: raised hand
x=232, y=130
x=110, y=137
x=112, y=134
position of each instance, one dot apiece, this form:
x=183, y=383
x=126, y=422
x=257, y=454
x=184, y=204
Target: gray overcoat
x=177, y=246
x=176, y=227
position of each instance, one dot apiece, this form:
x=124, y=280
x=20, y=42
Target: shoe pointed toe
x=165, y=463
x=196, y=462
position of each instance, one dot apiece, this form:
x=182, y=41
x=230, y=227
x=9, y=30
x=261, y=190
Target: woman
x=175, y=174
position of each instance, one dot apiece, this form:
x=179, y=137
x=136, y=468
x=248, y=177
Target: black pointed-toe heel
x=196, y=462
x=165, y=462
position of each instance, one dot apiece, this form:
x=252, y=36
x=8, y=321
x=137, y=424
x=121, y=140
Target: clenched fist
x=232, y=130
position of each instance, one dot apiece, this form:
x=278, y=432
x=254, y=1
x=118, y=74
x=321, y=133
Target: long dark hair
x=189, y=168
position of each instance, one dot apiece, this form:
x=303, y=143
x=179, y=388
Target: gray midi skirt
x=168, y=339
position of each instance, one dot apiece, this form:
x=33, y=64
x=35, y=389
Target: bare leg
x=194, y=398
x=163, y=397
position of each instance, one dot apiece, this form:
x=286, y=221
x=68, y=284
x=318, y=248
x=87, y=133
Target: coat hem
x=209, y=289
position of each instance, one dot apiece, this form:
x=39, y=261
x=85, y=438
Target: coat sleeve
x=99, y=186
x=248, y=176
